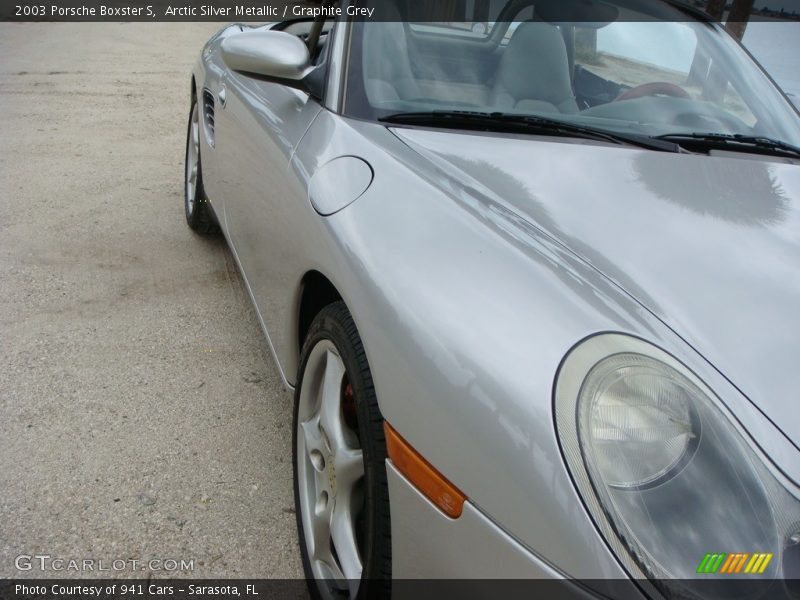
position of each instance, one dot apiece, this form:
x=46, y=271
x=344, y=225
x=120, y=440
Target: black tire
x=335, y=324
x=199, y=214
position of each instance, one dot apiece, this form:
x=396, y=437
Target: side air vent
x=208, y=115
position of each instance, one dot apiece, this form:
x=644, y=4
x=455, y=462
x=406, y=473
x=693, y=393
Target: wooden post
x=715, y=9
x=738, y=18
x=586, y=45
x=736, y=24
x=700, y=64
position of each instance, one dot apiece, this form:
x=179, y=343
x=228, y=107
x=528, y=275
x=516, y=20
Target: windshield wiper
x=734, y=142
x=514, y=123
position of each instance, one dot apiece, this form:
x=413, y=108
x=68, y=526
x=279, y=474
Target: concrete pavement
x=141, y=416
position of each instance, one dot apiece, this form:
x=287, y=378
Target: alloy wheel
x=330, y=469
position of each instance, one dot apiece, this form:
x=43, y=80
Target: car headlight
x=670, y=478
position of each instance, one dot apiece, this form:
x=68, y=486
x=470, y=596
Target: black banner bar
x=155, y=10
x=468, y=589
x=380, y=10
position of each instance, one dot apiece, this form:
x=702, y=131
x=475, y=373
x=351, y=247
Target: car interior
x=527, y=61
x=529, y=70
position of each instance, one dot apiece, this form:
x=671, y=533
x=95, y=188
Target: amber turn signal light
x=433, y=485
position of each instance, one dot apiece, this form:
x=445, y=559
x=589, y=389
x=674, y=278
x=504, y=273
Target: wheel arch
x=316, y=292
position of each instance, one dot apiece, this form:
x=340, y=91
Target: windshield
x=629, y=72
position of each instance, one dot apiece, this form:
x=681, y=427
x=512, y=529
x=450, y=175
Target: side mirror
x=273, y=55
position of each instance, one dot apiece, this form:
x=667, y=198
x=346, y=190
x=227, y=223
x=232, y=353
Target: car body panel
x=663, y=226
x=338, y=183
x=209, y=75
x=427, y=545
x=263, y=202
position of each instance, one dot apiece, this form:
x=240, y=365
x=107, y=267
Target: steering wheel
x=655, y=88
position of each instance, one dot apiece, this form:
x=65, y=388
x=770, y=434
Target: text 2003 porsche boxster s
x=535, y=283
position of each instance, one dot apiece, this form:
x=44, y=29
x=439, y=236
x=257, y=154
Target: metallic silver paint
x=222, y=96
x=263, y=202
x=272, y=53
x=337, y=57
x=474, y=262
x=705, y=243
x=338, y=183
x=430, y=545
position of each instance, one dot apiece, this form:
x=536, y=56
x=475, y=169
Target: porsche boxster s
x=533, y=278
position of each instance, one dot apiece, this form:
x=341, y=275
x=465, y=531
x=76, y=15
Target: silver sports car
x=534, y=279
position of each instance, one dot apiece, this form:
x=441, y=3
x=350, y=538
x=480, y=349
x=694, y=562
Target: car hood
x=709, y=244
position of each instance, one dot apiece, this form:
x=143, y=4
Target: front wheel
x=340, y=488
x=198, y=212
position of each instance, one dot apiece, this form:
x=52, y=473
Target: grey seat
x=533, y=75
x=386, y=63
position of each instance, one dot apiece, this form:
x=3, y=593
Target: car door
x=258, y=128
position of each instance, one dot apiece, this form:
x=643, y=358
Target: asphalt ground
x=141, y=416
